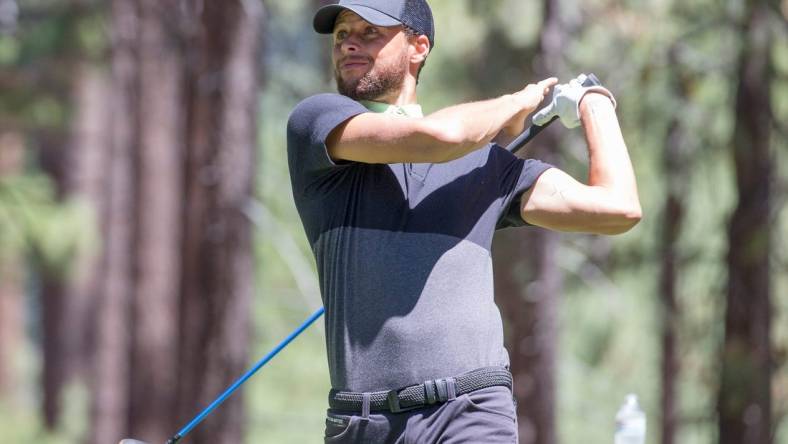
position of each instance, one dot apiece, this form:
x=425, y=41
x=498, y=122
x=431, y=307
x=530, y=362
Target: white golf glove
x=566, y=102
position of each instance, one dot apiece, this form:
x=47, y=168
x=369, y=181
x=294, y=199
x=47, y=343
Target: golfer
x=400, y=210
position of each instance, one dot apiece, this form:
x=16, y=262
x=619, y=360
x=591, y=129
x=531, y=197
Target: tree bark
x=217, y=259
x=528, y=281
x=158, y=181
x=111, y=378
x=11, y=328
x=53, y=158
x=676, y=164
x=669, y=315
x=53, y=377
x=12, y=334
x=87, y=180
x=744, y=402
x=68, y=296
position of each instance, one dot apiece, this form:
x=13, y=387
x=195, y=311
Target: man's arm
x=609, y=203
x=445, y=135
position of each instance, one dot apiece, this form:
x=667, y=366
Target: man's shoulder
x=322, y=103
x=312, y=108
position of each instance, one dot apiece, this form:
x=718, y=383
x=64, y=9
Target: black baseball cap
x=415, y=14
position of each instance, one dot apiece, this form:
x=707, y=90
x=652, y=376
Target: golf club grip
x=532, y=131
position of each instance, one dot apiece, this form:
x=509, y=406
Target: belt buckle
x=393, y=403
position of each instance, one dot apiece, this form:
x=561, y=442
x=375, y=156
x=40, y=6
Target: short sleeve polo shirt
x=403, y=252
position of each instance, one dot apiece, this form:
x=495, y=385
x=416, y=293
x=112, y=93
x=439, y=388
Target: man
x=400, y=210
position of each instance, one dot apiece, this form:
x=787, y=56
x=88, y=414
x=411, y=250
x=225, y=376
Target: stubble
x=377, y=83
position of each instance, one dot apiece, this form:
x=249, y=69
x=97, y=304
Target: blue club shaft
x=184, y=431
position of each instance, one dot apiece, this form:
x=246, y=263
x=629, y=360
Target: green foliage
x=50, y=39
x=43, y=53
x=33, y=222
x=20, y=421
x=22, y=426
x=9, y=50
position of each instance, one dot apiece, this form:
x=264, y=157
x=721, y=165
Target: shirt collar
x=412, y=110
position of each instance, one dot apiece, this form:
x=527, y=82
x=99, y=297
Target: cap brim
x=327, y=15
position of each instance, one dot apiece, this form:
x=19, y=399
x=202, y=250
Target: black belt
x=421, y=395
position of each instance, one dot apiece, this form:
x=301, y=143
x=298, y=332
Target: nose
x=349, y=45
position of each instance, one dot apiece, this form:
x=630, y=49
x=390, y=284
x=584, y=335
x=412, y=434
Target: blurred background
x=150, y=250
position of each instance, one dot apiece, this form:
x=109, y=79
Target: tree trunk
x=671, y=229
x=68, y=297
x=11, y=326
x=217, y=258
x=53, y=377
x=87, y=181
x=744, y=403
x=12, y=313
x=528, y=281
x=158, y=181
x=112, y=344
x=676, y=166
x=53, y=157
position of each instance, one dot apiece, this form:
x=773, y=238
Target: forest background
x=150, y=250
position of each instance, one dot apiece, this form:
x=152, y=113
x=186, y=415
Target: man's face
x=370, y=62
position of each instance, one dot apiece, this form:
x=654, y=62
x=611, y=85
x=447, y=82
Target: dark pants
x=484, y=416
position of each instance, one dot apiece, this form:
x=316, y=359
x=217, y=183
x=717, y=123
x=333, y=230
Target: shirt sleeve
x=517, y=177
x=308, y=127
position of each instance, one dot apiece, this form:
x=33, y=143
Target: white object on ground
x=630, y=423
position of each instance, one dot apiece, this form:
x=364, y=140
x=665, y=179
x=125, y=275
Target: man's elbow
x=623, y=220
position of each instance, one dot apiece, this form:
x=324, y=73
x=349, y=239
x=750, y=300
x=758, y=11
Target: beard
x=378, y=82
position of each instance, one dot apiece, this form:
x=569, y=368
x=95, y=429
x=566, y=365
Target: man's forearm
x=445, y=135
x=609, y=164
x=472, y=125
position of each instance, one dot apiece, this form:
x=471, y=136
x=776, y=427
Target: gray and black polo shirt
x=403, y=252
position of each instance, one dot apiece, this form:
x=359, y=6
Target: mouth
x=353, y=64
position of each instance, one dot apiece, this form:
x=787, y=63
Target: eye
x=371, y=31
x=340, y=35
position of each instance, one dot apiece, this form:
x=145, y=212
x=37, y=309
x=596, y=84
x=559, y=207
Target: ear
x=421, y=49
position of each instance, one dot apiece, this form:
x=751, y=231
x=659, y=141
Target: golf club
x=517, y=144
x=226, y=394
x=532, y=131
